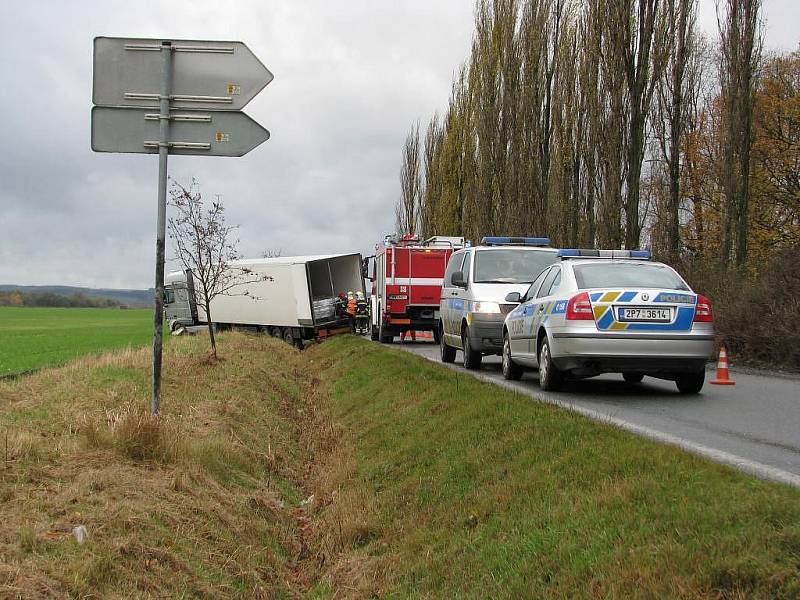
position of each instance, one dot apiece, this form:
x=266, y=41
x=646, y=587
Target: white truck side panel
x=265, y=296
x=276, y=291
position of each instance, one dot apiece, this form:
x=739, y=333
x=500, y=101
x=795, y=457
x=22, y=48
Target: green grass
x=483, y=493
x=31, y=338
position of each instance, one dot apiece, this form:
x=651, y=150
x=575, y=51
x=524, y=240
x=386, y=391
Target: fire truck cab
x=407, y=276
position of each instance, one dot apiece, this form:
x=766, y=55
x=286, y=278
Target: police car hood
x=496, y=292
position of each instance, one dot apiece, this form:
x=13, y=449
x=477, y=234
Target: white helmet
x=359, y=295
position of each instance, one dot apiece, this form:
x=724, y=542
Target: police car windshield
x=510, y=265
x=638, y=275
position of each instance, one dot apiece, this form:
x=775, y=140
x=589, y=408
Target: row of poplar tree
x=614, y=123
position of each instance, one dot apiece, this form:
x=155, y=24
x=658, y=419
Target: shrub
x=756, y=316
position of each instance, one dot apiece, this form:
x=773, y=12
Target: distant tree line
x=615, y=123
x=49, y=299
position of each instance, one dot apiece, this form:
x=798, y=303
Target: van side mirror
x=457, y=280
x=515, y=297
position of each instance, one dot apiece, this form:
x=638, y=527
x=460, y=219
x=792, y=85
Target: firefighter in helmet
x=362, y=313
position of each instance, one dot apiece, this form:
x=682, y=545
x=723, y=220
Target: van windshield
x=617, y=275
x=510, y=265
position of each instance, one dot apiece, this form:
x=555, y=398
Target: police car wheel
x=690, y=383
x=633, y=377
x=550, y=377
x=511, y=370
x=472, y=358
x=448, y=353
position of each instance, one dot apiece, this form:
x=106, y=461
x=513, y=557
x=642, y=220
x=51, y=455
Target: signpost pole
x=163, y=153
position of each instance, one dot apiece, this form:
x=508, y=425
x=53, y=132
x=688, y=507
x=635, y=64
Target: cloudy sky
x=350, y=78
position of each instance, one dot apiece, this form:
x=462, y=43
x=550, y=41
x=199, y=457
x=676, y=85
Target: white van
x=473, y=307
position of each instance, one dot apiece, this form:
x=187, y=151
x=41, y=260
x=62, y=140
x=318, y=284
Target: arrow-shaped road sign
x=206, y=74
x=200, y=133
x=173, y=97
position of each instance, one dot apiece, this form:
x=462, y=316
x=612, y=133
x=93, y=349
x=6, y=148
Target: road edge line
x=739, y=463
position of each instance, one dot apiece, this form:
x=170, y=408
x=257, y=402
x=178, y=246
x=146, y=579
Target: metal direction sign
x=206, y=75
x=173, y=97
x=199, y=133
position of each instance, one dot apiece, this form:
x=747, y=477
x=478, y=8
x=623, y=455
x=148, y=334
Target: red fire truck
x=407, y=277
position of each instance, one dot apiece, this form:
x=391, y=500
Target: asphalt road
x=753, y=426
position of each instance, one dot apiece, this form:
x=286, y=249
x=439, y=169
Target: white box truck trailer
x=293, y=297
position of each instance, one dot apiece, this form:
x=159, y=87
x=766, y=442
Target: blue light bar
x=591, y=253
x=515, y=241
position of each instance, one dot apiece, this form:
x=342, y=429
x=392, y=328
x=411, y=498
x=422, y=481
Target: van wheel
x=550, y=377
x=437, y=335
x=472, y=358
x=373, y=332
x=448, y=353
x=690, y=383
x=511, y=370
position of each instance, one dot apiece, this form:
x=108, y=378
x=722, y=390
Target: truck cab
x=180, y=309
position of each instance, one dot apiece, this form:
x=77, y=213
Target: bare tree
x=204, y=245
x=741, y=42
x=675, y=94
x=636, y=31
x=408, y=209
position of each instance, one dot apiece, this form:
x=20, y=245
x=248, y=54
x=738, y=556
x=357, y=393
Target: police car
x=609, y=311
x=472, y=307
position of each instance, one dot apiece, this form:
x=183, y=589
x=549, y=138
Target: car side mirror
x=458, y=280
x=514, y=297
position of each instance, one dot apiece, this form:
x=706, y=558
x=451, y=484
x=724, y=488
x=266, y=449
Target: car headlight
x=487, y=307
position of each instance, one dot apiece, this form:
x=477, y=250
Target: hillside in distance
x=130, y=298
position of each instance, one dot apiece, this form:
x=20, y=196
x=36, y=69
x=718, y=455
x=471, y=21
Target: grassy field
x=36, y=337
x=354, y=470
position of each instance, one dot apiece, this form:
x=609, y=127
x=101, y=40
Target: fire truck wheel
x=385, y=337
x=472, y=358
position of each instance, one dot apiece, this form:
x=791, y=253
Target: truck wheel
x=550, y=377
x=690, y=383
x=448, y=353
x=511, y=370
x=472, y=358
x=288, y=337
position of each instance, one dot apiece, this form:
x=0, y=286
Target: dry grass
x=204, y=500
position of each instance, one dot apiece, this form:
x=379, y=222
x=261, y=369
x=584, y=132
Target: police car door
x=449, y=294
x=537, y=313
x=520, y=324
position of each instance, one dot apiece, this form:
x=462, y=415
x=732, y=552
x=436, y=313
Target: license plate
x=642, y=313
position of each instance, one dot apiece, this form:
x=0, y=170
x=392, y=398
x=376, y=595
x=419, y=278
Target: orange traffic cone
x=722, y=377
